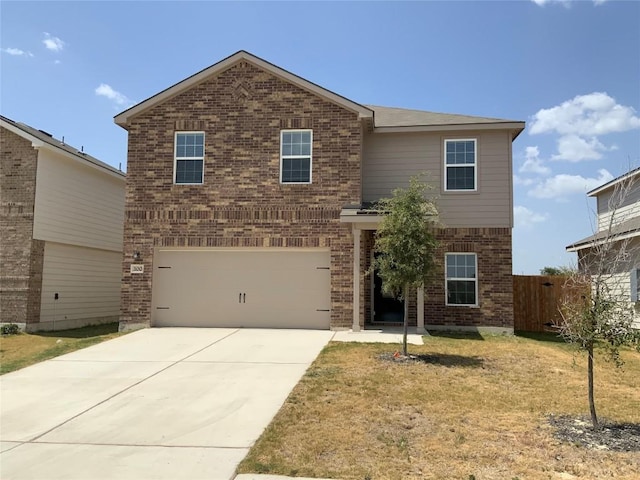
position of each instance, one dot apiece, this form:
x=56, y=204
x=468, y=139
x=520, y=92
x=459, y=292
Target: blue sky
x=570, y=69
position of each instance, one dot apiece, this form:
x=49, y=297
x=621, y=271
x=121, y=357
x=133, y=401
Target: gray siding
x=390, y=159
x=626, y=205
x=87, y=281
x=78, y=204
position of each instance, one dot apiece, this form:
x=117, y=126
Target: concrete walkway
x=166, y=403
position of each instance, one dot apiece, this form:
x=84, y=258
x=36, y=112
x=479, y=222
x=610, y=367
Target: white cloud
x=586, y=115
x=523, y=217
x=580, y=121
x=17, y=52
x=542, y=3
x=563, y=185
x=118, y=98
x=575, y=149
x=523, y=181
x=533, y=163
x=53, y=43
x=565, y=3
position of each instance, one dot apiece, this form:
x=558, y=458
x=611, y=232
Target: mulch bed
x=619, y=437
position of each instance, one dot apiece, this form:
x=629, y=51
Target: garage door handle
x=322, y=310
x=240, y=298
x=244, y=298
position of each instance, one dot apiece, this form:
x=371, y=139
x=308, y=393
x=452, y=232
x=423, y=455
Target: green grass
x=24, y=349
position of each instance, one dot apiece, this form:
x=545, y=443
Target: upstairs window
x=189, y=158
x=295, y=156
x=462, y=279
x=460, y=164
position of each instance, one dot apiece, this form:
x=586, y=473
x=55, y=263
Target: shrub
x=10, y=329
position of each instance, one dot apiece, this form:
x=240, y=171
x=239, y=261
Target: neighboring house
x=618, y=221
x=61, y=221
x=247, y=196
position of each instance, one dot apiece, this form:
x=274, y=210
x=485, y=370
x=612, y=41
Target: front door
x=386, y=309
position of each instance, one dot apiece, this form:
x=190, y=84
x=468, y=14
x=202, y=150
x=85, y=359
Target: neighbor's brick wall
x=495, y=288
x=242, y=203
x=20, y=257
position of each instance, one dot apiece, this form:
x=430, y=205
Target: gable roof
x=382, y=119
x=123, y=117
x=612, y=183
x=40, y=138
x=393, y=119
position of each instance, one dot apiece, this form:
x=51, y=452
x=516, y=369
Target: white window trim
x=474, y=165
x=176, y=158
x=310, y=156
x=446, y=280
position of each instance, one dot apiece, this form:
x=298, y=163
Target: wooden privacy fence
x=536, y=299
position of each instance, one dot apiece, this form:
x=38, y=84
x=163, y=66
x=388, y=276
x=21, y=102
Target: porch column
x=420, y=308
x=356, y=280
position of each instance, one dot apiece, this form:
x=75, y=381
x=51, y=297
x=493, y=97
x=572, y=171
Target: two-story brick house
x=247, y=189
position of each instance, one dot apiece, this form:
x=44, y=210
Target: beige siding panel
x=628, y=207
x=390, y=159
x=87, y=281
x=77, y=204
x=270, y=288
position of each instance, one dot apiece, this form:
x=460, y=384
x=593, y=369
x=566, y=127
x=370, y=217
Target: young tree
x=406, y=244
x=603, y=315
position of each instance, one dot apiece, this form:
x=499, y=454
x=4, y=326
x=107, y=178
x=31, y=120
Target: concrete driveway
x=172, y=403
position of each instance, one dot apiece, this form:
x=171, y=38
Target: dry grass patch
x=24, y=349
x=479, y=409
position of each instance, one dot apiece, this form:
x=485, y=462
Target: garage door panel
x=242, y=288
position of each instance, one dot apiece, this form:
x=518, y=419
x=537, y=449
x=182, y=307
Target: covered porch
x=371, y=308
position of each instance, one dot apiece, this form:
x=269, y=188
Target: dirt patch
x=446, y=360
x=618, y=437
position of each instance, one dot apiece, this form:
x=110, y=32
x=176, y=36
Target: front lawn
x=24, y=349
x=474, y=408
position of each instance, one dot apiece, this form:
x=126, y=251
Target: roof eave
x=38, y=144
x=612, y=183
x=590, y=242
x=518, y=127
x=123, y=118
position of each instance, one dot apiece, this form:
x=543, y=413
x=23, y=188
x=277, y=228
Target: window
x=462, y=279
x=460, y=165
x=295, y=156
x=635, y=285
x=189, y=160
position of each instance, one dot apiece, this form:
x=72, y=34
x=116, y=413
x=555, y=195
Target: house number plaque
x=137, y=268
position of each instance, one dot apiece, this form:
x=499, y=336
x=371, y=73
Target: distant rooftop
x=49, y=139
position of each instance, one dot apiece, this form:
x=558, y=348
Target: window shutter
x=635, y=283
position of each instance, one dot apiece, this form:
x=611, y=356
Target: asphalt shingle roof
x=50, y=140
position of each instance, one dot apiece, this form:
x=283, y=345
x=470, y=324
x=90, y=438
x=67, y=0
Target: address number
x=137, y=268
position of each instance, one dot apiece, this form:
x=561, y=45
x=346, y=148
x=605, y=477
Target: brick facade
x=20, y=256
x=495, y=281
x=242, y=202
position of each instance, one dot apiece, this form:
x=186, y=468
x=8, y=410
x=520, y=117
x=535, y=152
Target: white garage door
x=270, y=288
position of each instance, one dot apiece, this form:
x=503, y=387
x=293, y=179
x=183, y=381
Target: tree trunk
x=592, y=403
x=405, y=323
